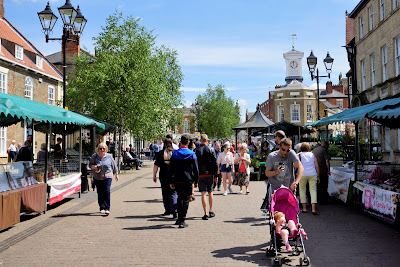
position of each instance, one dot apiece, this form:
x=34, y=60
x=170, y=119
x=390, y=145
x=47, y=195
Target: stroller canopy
x=283, y=200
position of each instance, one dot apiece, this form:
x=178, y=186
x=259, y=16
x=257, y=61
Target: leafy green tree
x=219, y=113
x=131, y=82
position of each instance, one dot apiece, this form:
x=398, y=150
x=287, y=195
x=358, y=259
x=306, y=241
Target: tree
x=219, y=113
x=130, y=82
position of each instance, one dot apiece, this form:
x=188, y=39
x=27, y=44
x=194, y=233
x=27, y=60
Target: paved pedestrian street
x=135, y=234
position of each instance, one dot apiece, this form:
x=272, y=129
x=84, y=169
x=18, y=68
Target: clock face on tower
x=293, y=64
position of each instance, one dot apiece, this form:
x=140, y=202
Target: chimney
x=1, y=9
x=329, y=87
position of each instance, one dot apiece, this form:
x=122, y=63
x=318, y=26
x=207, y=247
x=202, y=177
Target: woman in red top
x=243, y=175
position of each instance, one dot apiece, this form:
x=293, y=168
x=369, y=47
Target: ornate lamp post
x=73, y=21
x=198, y=106
x=312, y=65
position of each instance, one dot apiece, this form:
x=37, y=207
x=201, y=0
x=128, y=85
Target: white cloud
x=34, y=1
x=321, y=86
x=243, y=102
x=192, y=89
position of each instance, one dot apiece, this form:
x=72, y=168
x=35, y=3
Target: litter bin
x=84, y=180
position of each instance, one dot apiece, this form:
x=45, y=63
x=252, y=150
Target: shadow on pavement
x=249, y=220
x=152, y=187
x=144, y=201
x=153, y=227
x=140, y=216
x=253, y=254
x=79, y=214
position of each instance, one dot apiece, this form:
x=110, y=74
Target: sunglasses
x=284, y=150
x=102, y=148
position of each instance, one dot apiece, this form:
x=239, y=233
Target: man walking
x=207, y=163
x=183, y=173
x=322, y=156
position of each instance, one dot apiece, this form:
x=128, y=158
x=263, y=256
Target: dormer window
x=19, y=52
x=39, y=61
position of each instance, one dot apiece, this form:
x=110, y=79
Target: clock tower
x=293, y=60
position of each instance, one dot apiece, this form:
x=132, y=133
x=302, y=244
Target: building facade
x=376, y=63
x=24, y=72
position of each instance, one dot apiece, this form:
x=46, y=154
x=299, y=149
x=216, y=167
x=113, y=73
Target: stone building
x=376, y=62
x=24, y=72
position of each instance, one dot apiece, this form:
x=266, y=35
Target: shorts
x=223, y=168
x=206, y=184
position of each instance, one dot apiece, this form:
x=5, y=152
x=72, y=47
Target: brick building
x=375, y=62
x=24, y=72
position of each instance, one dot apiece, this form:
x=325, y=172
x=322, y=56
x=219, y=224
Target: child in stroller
x=284, y=207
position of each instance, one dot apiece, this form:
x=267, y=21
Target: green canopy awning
x=14, y=109
x=356, y=114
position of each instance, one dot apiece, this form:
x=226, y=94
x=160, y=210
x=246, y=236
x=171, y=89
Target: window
x=3, y=140
x=3, y=82
x=309, y=113
x=39, y=62
x=363, y=75
x=295, y=112
x=361, y=27
x=51, y=95
x=185, y=128
x=19, y=52
x=28, y=88
x=395, y=4
x=384, y=63
x=382, y=9
x=281, y=115
x=373, y=71
x=387, y=139
x=339, y=103
x=371, y=18
x=397, y=55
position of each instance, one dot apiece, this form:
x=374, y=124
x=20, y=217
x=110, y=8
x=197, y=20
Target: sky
x=238, y=44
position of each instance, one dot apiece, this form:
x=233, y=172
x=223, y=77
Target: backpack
x=151, y=147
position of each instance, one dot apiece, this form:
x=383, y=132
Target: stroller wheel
x=305, y=261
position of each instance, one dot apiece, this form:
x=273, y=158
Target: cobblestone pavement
x=135, y=234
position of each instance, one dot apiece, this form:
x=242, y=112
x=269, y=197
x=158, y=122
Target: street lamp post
x=198, y=106
x=73, y=20
x=312, y=65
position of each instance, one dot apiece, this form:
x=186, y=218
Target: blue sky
x=238, y=44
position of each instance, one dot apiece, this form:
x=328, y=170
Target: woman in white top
x=310, y=175
x=225, y=163
x=12, y=150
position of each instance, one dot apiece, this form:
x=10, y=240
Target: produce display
x=388, y=179
x=39, y=169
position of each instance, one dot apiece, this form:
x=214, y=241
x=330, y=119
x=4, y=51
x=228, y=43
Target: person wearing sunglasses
x=104, y=168
x=279, y=167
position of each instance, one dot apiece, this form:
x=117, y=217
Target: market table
x=10, y=206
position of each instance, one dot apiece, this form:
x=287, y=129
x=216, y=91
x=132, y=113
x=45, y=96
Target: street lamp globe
x=328, y=61
x=68, y=13
x=48, y=19
x=80, y=22
x=312, y=62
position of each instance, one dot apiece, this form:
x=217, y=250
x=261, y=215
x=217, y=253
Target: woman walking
x=310, y=175
x=242, y=176
x=162, y=162
x=103, y=166
x=225, y=167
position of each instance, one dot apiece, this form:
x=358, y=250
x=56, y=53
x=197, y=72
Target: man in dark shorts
x=183, y=173
x=322, y=156
x=207, y=163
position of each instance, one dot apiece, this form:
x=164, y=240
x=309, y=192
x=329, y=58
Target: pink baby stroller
x=284, y=200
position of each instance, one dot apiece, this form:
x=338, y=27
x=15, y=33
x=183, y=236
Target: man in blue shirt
x=183, y=173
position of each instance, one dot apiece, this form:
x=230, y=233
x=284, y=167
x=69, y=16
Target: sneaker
x=103, y=211
x=225, y=193
x=178, y=222
x=107, y=212
x=288, y=248
x=240, y=192
x=230, y=190
x=247, y=192
x=205, y=217
x=211, y=214
x=183, y=225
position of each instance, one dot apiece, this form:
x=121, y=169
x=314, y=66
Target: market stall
x=20, y=191
x=376, y=184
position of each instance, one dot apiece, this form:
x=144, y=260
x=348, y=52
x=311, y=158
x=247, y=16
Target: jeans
x=169, y=197
x=103, y=193
x=184, y=191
